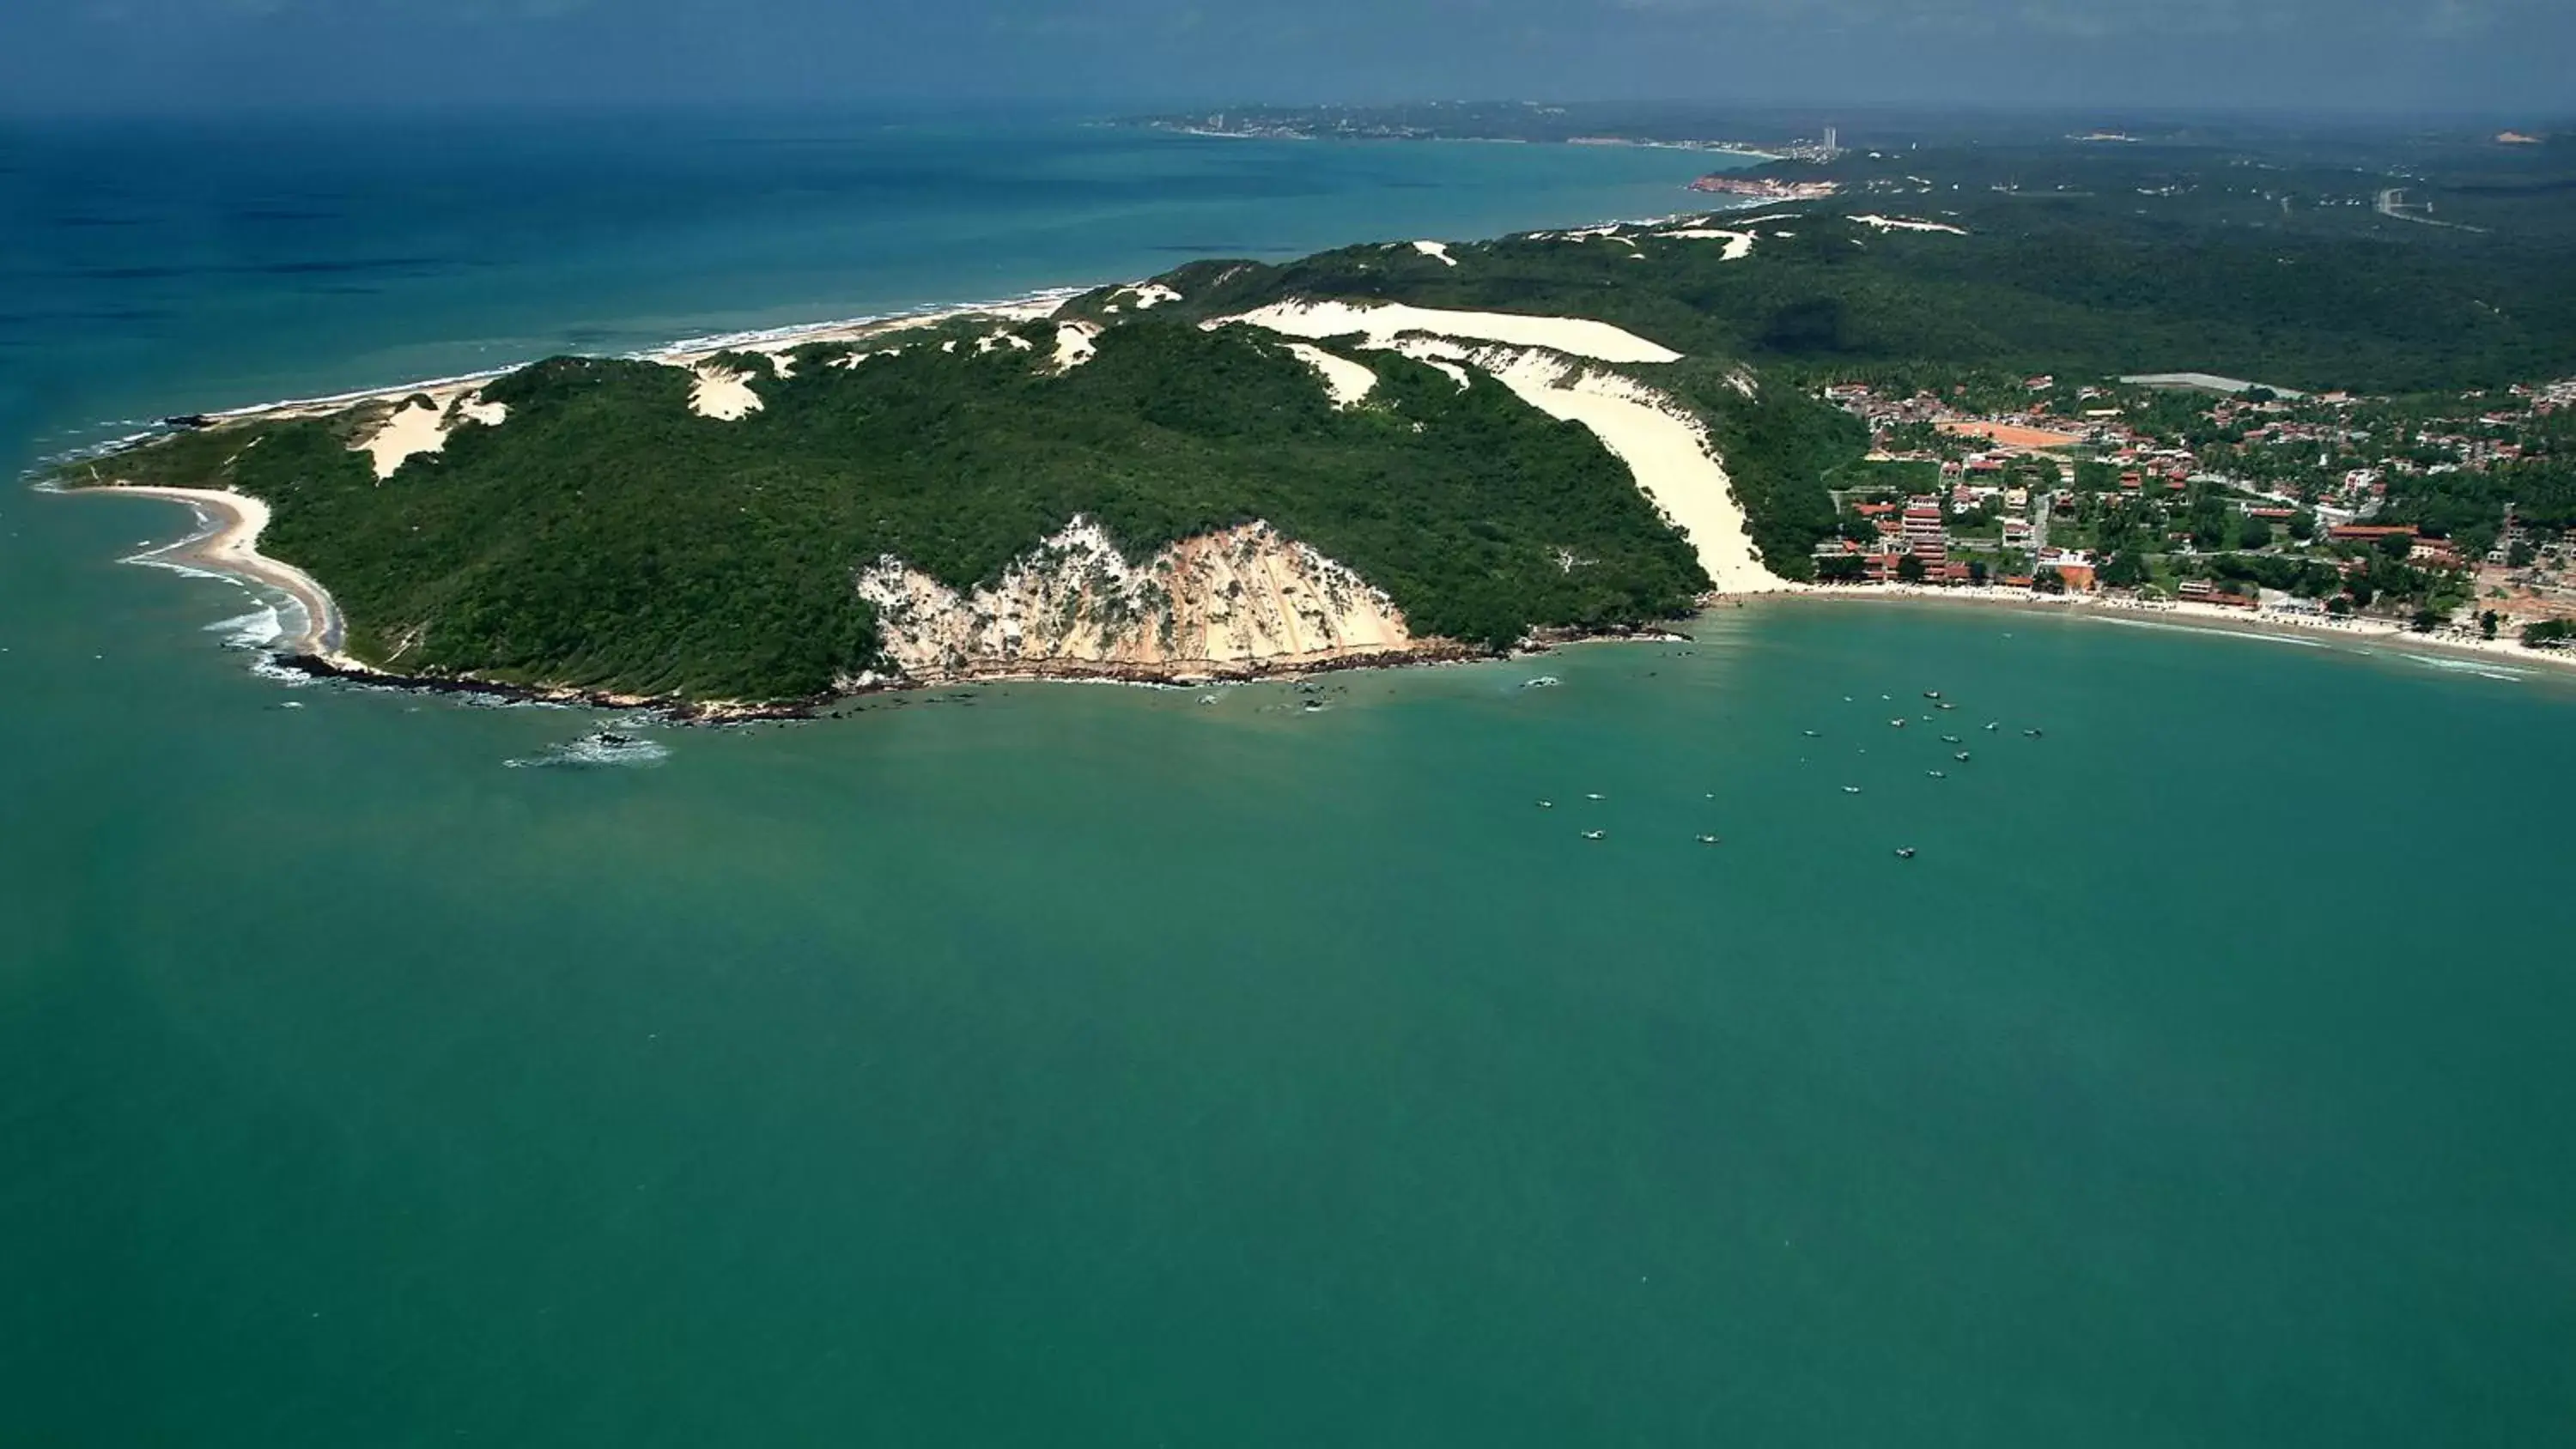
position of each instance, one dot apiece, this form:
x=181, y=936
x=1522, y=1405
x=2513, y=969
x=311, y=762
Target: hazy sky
x=2492, y=55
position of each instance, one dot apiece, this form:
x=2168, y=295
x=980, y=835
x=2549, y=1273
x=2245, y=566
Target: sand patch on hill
x=1073, y=344
x=1907, y=223
x=1381, y=325
x=1346, y=380
x=422, y=427
x=1666, y=450
x=1739, y=244
x=722, y=394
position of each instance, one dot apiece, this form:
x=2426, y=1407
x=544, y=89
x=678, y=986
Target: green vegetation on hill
x=607, y=537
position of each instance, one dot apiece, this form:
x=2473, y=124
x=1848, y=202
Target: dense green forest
x=2039, y=285
x=606, y=536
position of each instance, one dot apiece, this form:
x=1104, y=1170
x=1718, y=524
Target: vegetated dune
x=1665, y=449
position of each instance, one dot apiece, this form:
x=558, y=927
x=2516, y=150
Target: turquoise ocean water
x=1086, y=1065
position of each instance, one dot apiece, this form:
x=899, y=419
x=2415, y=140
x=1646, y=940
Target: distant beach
x=2199, y=617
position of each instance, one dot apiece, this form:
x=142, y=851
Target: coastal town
x=2450, y=518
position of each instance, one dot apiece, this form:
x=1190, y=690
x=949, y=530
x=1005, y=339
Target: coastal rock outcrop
x=1244, y=601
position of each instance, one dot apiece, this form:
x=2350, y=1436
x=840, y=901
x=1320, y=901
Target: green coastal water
x=1094, y=1065
x=1097, y=1066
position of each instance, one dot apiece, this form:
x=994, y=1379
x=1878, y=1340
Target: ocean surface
x=1087, y=1065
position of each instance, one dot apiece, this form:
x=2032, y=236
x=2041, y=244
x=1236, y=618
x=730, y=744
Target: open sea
x=1098, y=1066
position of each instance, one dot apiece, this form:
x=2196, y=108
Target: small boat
x=1938, y=774
x=1544, y=681
x=1811, y=734
x=1547, y=804
x=2034, y=734
x=1897, y=723
x=1851, y=789
x=1962, y=755
x=1945, y=704
x=1992, y=724
x=1949, y=739
x=1905, y=852
x=1708, y=840
x=1931, y=694
x=1313, y=705
x=1596, y=834
x=1593, y=796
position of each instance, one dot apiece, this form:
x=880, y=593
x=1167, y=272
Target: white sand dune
x=413, y=428
x=1073, y=344
x=1149, y=295
x=1440, y=353
x=1666, y=450
x=1381, y=325
x=1346, y=380
x=1436, y=249
x=722, y=394
x=1739, y=244
x=422, y=427
x=1907, y=223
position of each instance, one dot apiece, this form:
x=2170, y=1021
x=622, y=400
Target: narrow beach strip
x=2365, y=636
x=227, y=542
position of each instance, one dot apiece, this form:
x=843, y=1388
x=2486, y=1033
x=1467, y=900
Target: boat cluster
x=1906, y=852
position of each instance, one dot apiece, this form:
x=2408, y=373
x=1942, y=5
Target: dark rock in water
x=610, y=737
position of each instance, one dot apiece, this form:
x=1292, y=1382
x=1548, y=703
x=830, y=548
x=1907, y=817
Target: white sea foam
x=2467, y=666
x=2214, y=633
x=257, y=629
x=591, y=751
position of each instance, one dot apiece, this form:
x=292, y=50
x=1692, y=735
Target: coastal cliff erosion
x=1240, y=603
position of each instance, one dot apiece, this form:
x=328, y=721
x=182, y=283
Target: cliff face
x=1241, y=602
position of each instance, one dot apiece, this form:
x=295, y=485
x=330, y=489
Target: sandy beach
x=227, y=542
x=2369, y=635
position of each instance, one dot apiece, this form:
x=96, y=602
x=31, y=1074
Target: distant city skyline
x=2503, y=58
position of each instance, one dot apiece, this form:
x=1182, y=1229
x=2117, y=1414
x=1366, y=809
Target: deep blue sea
x=1089, y=1066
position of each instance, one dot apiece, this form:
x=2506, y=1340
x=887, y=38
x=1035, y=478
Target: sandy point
x=227, y=542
